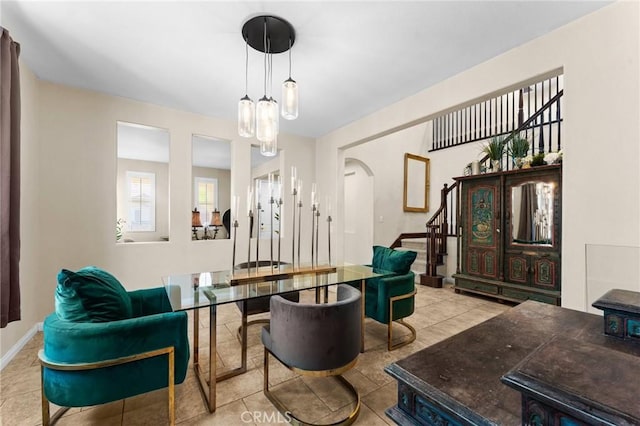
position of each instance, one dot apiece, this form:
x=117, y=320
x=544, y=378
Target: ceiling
x=349, y=58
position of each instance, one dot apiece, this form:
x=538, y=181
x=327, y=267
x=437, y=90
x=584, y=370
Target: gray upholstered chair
x=259, y=305
x=317, y=340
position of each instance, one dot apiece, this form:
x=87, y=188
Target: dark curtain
x=528, y=207
x=9, y=180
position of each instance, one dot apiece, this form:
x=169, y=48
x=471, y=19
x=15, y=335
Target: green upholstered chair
x=390, y=299
x=104, y=344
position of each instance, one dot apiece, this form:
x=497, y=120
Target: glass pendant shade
x=269, y=149
x=265, y=126
x=274, y=113
x=289, y=99
x=246, y=117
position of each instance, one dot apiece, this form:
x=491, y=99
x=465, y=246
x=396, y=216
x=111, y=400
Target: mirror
x=211, y=188
x=142, y=187
x=416, y=183
x=261, y=168
x=532, y=213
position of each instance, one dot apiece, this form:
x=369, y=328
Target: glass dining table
x=195, y=291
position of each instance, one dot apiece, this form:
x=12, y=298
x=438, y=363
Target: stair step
x=415, y=243
x=422, y=254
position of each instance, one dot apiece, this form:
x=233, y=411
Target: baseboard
x=11, y=353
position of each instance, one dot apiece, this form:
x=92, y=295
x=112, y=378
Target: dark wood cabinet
x=509, y=242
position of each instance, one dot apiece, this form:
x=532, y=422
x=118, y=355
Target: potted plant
x=495, y=150
x=518, y=150
x=119, y=228
x=538, y=160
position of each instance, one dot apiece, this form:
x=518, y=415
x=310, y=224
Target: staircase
x=542, y=128
x=417, y=245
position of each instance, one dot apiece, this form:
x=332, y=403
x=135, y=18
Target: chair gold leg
x=172, y=407
x=296, y=421
x=412, y=337
x=45, y=401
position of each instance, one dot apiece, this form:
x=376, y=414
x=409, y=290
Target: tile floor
x=439, y=313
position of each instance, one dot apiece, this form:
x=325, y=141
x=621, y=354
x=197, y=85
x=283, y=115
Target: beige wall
x=599, y=56
x=69, y=195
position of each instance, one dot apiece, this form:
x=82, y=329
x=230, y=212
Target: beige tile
x=301, y=401
x=362, y=384
x=26, y=381
x=23, y=360
x=381, y=399
x=108, y=414
x=330, y=391
x=190, y=405
x=159, y=396
x=366, y=417
x=238, y=387
x=263, y=412
x=23, y=409
x=371, y=364
x=234, y=413
x=148, y=414
x=278, y=373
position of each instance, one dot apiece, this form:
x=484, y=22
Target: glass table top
x=202, y=289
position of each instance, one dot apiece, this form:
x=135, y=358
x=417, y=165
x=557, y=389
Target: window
x=141, y=199
x=265, y=192
x=206, y=196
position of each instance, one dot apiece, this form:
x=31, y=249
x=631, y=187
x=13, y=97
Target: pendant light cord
x=270, y=70
x=246, y=66
x=289, y=58
x=265, y=58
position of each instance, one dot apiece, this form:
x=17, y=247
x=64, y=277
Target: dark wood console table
x=457, y=381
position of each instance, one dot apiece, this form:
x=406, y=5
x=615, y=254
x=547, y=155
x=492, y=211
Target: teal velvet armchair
x=390, y=299
x=90, y=359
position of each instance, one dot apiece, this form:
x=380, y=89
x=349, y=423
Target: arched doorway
x=358, y=211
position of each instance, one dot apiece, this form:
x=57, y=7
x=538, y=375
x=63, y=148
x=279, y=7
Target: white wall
x=31, y=279
x=599, y=56
x=359, y=210
x=385, y=157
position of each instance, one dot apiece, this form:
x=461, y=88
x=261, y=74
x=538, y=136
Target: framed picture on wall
x=416, y=183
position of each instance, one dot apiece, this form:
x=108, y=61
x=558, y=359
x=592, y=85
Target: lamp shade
x=246, y=117
x=269, y=149
x=266, y=129
x=215, y=218
x=195, y=218
x=290, y=99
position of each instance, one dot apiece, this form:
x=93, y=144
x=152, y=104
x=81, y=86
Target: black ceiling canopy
x=280, y=33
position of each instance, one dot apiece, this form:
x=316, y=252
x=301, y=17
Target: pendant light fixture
x=246, y=107
x=269, y=35
x=290, y=95
x=265, y=126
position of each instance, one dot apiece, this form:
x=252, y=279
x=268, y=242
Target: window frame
x=132, y=224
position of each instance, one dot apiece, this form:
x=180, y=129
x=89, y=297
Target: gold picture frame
x=416, y=183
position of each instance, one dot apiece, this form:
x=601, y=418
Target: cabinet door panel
x=489, y=264
x=544, y=272
x=517, y=269
x=482, y=263
x=473, y=262
x=484, y=204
